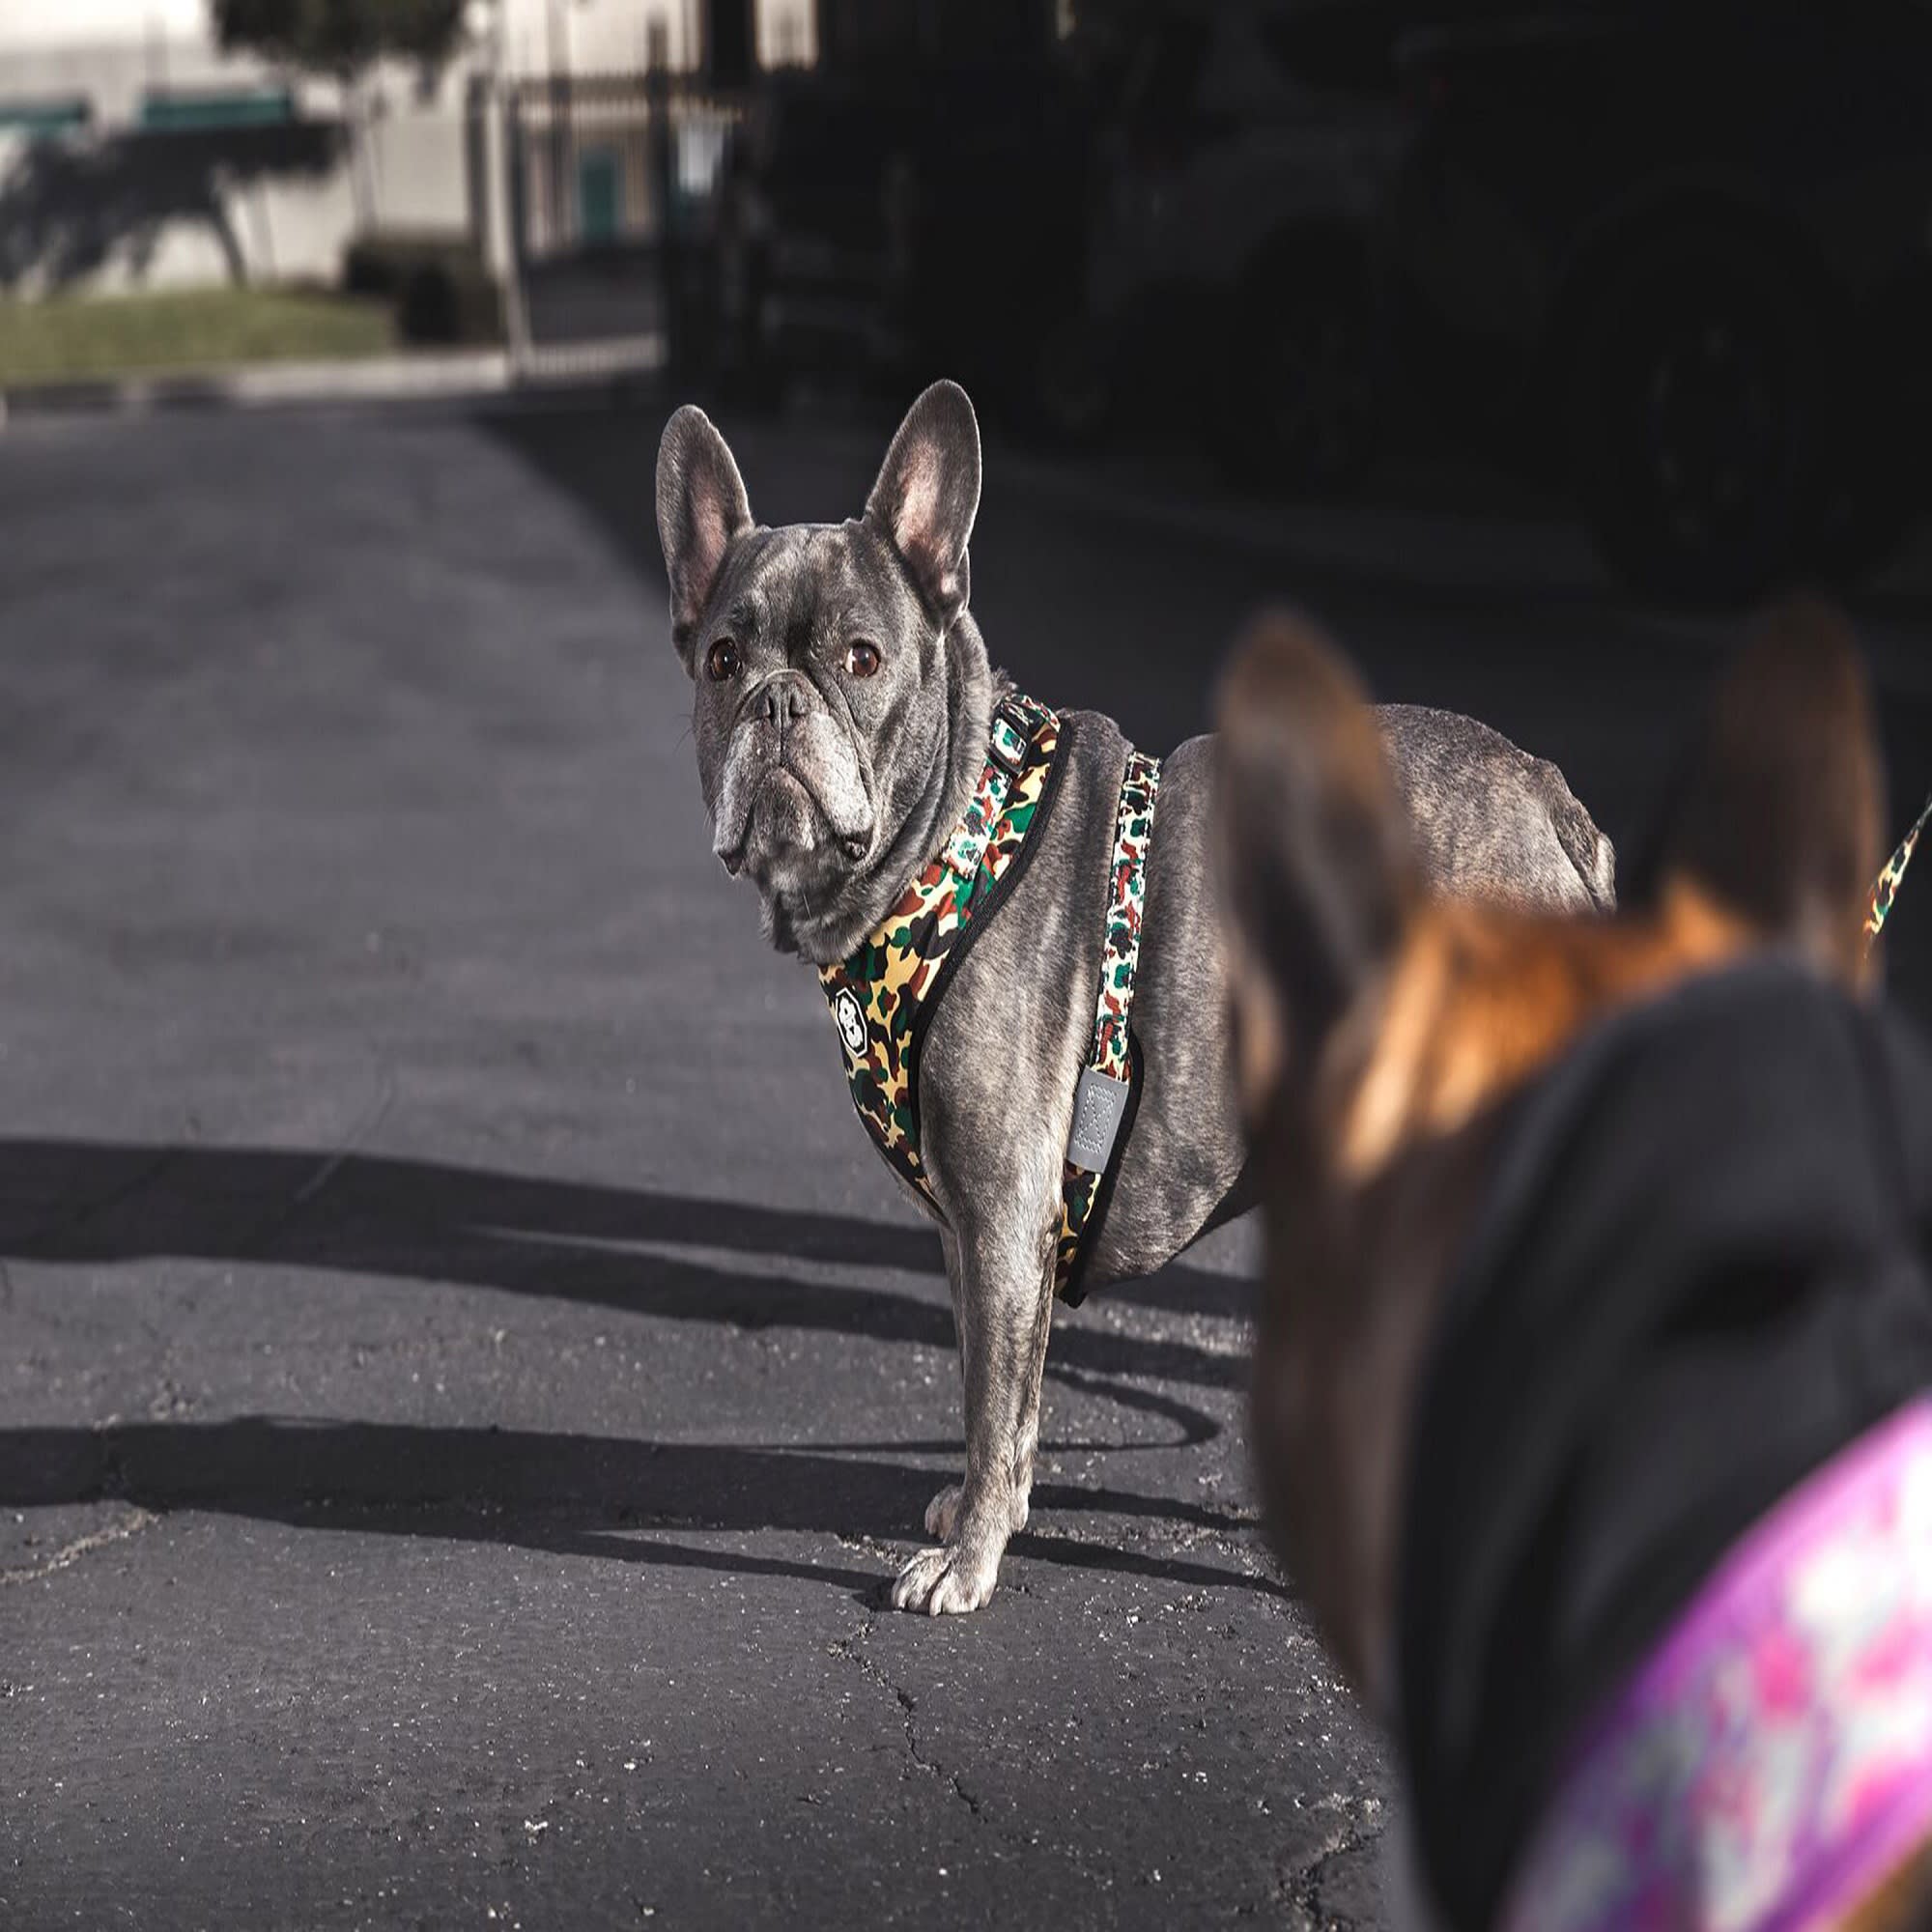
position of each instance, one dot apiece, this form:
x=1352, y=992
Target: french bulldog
x=1592, y=1398
x=842, y=698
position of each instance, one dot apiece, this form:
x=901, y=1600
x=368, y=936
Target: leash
x=1886, y=889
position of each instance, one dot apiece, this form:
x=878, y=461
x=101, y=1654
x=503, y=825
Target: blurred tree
x=344, y=39
x=342, y=36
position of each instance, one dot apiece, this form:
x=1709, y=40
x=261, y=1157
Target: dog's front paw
x=942, y=1513
x=952, y=1580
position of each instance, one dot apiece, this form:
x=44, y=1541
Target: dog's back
x=1489, y=821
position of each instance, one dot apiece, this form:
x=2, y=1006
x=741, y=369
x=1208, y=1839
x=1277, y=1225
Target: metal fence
x=614, y=183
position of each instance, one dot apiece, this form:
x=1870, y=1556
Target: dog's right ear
x=1317, y=874
x=701, y=506
x=1777, y=813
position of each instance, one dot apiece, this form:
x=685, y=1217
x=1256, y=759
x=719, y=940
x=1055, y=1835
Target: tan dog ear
x=1779, y=814
x=1317, y=878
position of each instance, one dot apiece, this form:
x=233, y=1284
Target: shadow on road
x=85, y=1201
x=566, y=1494
x=69, y=1201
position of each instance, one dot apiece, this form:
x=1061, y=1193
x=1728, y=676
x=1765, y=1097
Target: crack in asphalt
x=1302, y=1888
x=855, y=1650
x=71, y=1554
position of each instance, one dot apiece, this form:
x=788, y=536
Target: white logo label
x=851, y=1021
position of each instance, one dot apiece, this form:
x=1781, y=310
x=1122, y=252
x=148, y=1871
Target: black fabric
x=1701, y=1268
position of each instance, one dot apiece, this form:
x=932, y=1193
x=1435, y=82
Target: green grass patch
x=76, y=338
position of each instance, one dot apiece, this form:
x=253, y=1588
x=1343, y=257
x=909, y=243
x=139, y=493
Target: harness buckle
x=1010, y=738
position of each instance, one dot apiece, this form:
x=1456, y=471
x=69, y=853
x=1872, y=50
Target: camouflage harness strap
x=1883, y=891
x=1104, y=1102
x=883, y=997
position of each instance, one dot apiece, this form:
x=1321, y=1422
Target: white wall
x=284, y=227
x=418, y=170
x=25, y=23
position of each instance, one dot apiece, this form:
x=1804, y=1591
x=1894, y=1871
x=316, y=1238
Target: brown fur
x=1378, y=1033
x=1902, y=1902
x=1479, y=1001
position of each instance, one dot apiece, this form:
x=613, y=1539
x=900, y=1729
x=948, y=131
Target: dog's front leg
x=1001, y=1278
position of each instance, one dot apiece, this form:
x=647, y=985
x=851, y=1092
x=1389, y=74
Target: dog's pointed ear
x=1778, y=811
x=701, y=507
x=928, y=496
x=1318, y=878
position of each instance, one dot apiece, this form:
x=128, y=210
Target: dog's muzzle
x=792, y=781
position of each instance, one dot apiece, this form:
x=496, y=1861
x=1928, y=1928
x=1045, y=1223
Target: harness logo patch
x=851, y=1021
x=1100, y=1105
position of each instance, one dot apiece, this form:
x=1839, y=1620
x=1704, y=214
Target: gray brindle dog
x=843, y=705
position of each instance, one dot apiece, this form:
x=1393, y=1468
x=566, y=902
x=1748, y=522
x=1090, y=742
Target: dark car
x=1679, y=255
x=1244, y=168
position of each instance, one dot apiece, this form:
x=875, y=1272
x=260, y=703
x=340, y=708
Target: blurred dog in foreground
x=1021, y=953
x=1593, y=1394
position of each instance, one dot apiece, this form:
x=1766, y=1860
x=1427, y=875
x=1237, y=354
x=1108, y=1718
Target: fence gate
x=614, y=185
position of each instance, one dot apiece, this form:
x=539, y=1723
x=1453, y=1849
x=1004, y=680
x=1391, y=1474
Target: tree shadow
x=565, y=1494
x=78, y=1202
x=68, y=207
x=82, y=1201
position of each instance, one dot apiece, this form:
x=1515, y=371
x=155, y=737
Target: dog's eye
x=722, y=660
x=862, y=659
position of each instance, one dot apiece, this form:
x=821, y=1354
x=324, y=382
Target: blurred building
x=728, y=38
x=136, y=152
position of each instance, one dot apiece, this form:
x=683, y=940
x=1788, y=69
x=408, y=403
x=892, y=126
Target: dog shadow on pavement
x=72, y=1202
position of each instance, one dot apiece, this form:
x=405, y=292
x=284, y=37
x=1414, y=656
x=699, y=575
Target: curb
x=428, y=377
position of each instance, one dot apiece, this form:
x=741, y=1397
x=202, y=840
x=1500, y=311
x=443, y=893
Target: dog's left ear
x=929, y=493
x=1319, y=882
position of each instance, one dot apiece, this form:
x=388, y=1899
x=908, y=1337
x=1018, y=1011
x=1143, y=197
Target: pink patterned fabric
x=1771, y=1763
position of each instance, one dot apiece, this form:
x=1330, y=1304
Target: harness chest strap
x=884, y=995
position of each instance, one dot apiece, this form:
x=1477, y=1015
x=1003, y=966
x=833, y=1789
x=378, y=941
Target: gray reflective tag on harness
x=1098, y=1107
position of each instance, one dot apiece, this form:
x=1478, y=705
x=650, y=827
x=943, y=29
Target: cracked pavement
x=464, y=1376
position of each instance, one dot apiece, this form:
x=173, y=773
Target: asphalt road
x=464, y=1375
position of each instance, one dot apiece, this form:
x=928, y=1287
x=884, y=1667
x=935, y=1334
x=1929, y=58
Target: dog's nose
x=782, y=702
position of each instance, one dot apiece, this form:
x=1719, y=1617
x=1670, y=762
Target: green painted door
x=599, y=195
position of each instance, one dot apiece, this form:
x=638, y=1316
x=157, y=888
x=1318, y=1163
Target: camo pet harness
x=883, y=997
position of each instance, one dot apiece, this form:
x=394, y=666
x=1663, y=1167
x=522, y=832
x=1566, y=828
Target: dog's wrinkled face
x=817, y=652
x=1379, y=1035
x=814, y=647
